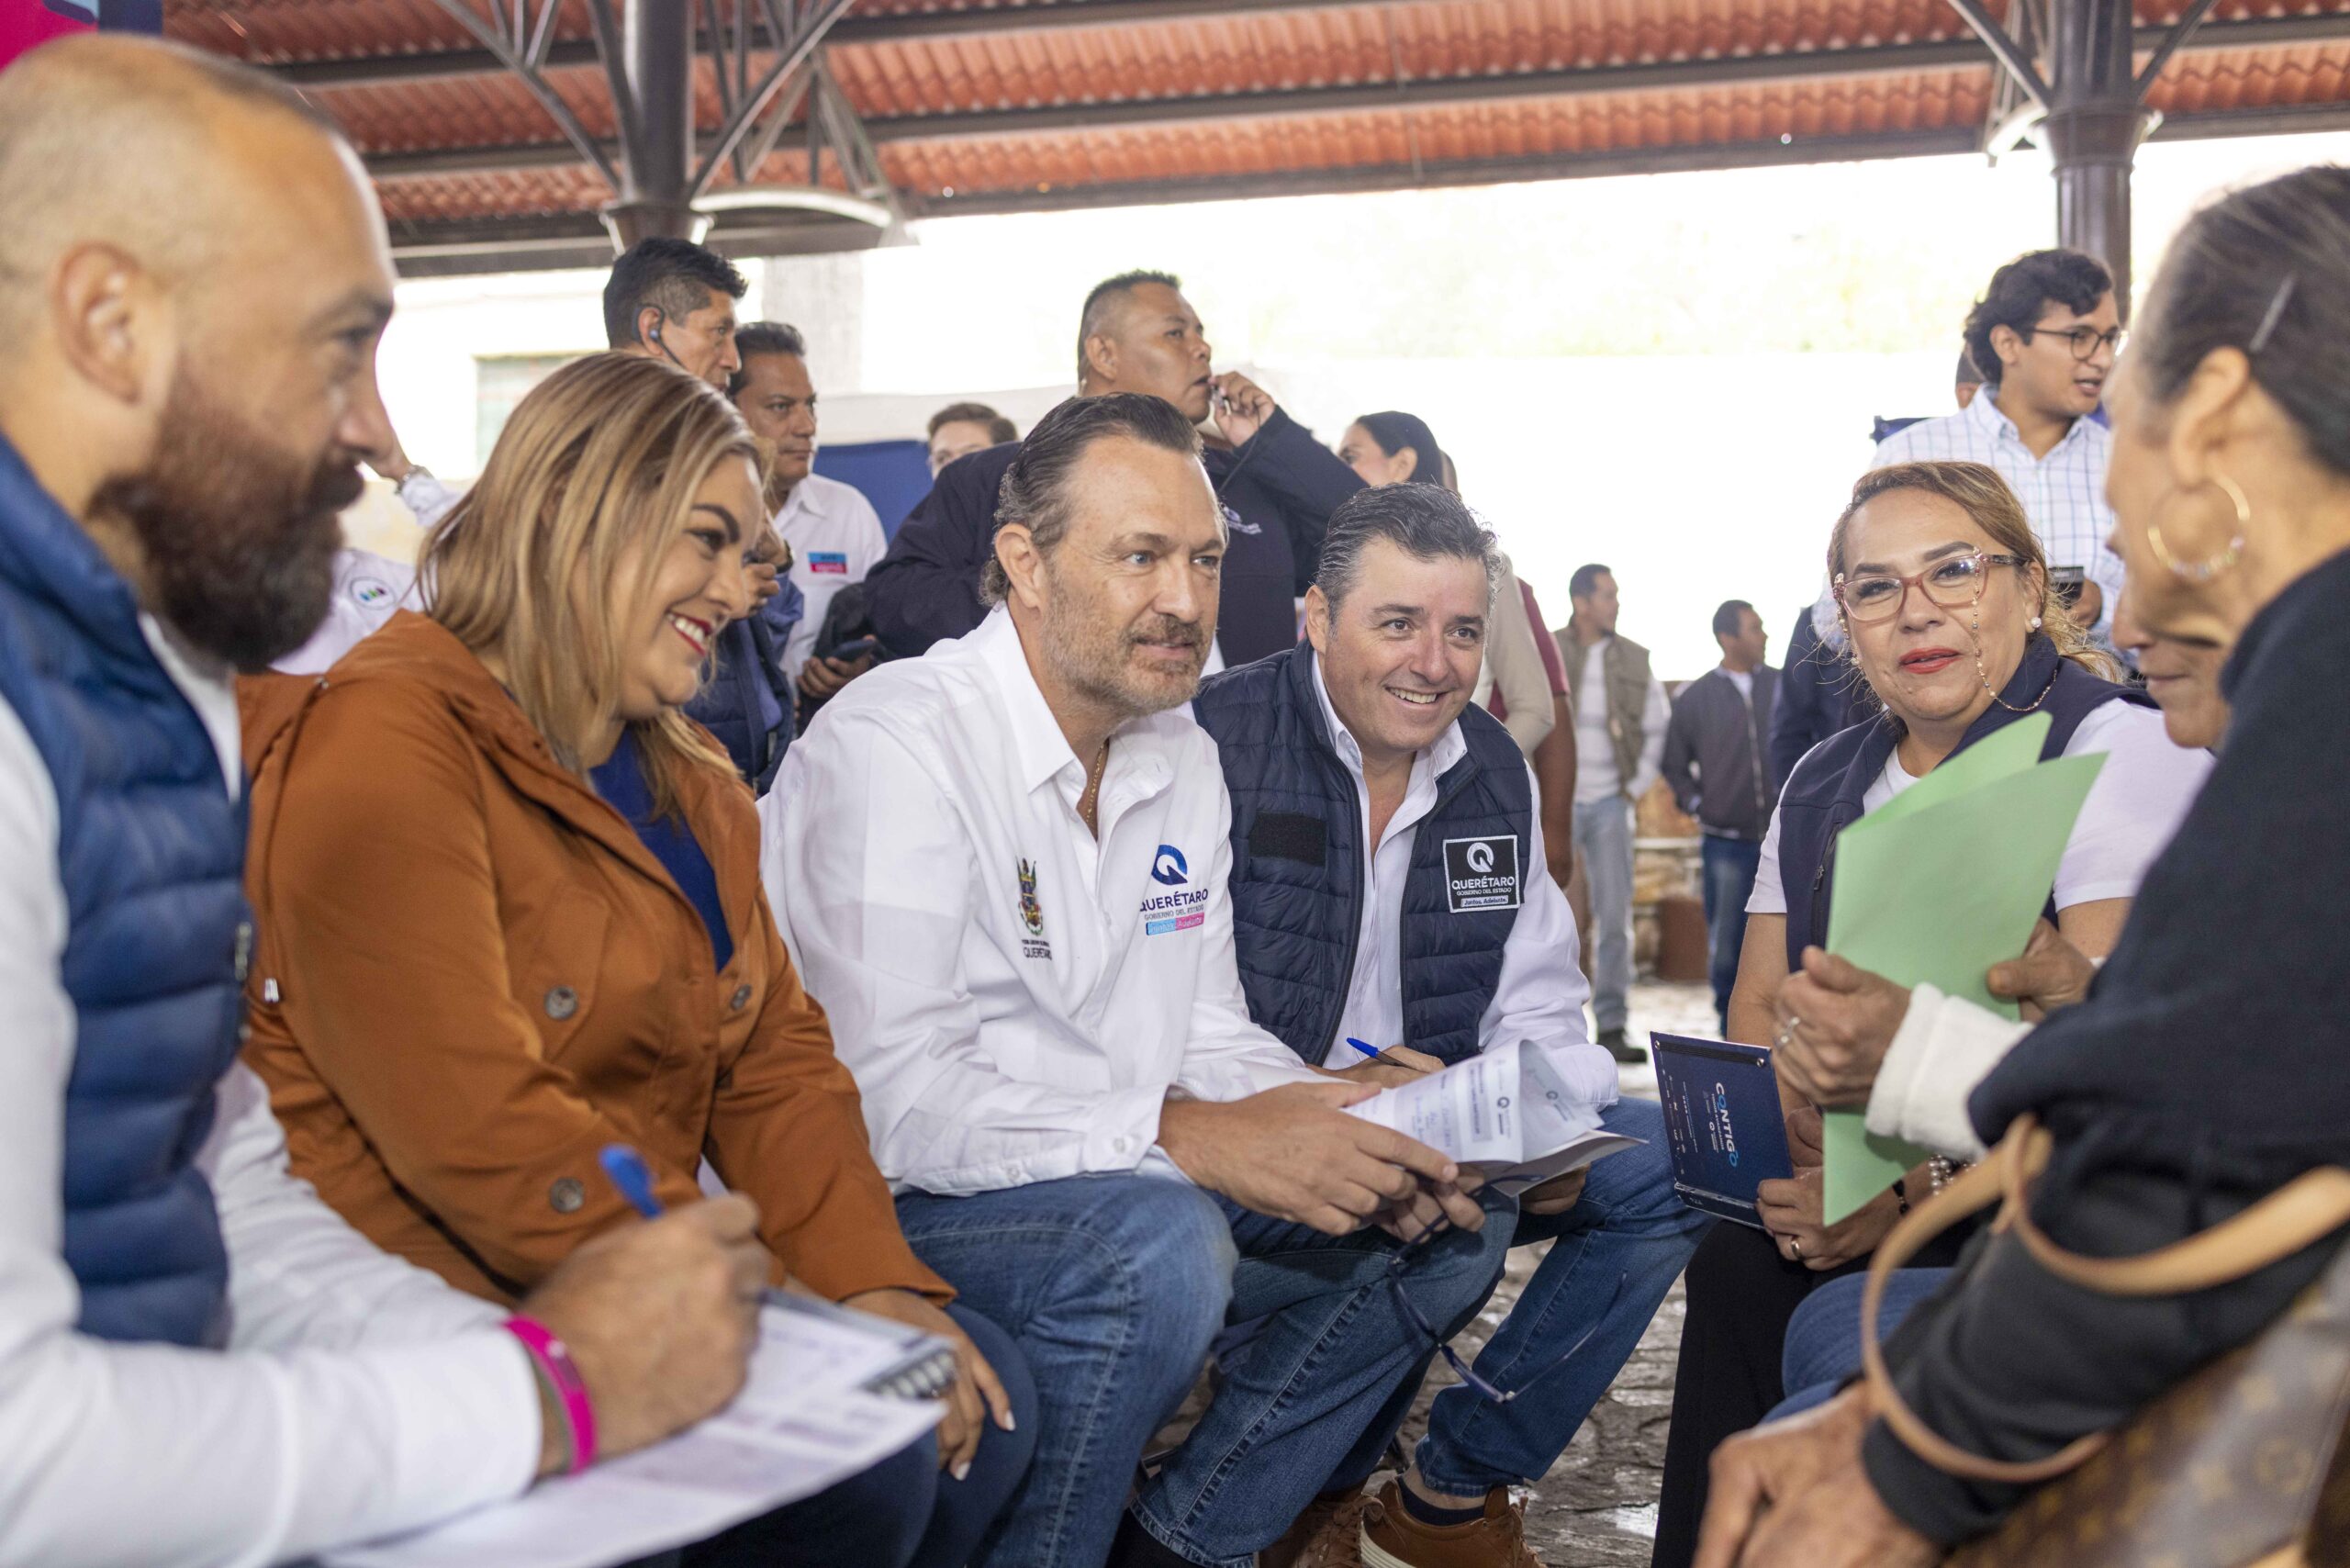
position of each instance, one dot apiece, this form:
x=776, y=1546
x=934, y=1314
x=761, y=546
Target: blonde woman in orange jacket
x=511, y=913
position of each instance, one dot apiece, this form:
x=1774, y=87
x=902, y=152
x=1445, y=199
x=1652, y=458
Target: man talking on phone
x=1276, y=484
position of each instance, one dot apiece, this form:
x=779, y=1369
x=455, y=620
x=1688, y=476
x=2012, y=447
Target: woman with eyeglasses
x=2202, y=1074
x=1952, y=618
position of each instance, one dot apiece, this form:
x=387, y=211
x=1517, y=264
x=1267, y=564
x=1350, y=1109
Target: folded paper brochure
x=1505, y=1114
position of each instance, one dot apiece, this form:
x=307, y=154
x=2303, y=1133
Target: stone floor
x=1598, y=1506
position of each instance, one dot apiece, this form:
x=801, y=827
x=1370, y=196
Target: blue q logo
x=1168, y=869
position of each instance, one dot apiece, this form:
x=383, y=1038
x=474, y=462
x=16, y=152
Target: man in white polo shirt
x=835, y=533
x=1001, y=868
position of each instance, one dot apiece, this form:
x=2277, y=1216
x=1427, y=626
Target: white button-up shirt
x=2063, y=493
x=1540, y=997
x=1016, y=997
x=357, y=1397
x=835, y=537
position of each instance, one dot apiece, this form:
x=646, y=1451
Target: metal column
x=2074, y=61
x=657, y=189
x=2097, y=116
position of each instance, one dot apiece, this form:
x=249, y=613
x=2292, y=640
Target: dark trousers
x=904, y=1512
x=1729, y=867
x=1741, y=1296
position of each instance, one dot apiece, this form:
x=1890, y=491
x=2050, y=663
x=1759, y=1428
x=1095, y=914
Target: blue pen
x=1366, y=1050
x=627, y=1170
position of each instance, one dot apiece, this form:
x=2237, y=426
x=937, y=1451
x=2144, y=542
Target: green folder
x=1936, y=886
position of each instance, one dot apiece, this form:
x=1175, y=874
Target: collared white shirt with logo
x=1014, y=997
x=1541, y=992
x=2063, y=493
x=835, y=538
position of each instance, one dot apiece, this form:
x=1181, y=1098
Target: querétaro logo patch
x=1481, y=874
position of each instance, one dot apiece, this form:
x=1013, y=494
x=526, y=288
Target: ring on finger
x=1794, y=1247
x=1786, y=1033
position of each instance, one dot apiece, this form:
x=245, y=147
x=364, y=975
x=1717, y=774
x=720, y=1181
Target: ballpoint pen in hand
x=627, y=1168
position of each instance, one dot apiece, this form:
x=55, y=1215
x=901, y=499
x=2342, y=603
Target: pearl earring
x=2035, y=623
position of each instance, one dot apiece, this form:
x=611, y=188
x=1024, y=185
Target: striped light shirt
x=2063, y=493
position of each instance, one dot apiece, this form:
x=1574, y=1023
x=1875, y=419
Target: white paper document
x=1505, y=1114
x=798, y=1426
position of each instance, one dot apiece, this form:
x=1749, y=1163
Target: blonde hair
x=601, y=461
x=1978, y=492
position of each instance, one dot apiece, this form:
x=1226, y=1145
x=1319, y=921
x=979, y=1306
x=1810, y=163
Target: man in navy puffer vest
x=200, y=1362
x=1388, y=886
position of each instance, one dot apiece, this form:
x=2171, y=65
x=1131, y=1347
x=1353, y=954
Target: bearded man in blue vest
x=1372, y=808
x=200, y=1363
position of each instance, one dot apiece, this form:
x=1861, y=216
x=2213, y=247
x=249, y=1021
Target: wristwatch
x=415, y=471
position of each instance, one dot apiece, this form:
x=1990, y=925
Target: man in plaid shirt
x=2043, y=336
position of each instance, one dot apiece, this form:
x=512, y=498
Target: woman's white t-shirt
x=2137, y=804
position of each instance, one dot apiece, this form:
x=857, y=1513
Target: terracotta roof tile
x=897, y=80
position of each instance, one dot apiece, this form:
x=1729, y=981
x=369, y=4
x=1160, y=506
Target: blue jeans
x=904, y=1512
x=1629, y=1227
x=1116, y=1285
x=1823, y=1349
x=1603, y=840
x=1729, y=864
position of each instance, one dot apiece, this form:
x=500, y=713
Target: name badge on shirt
x=833, y=561
x=1481, y=874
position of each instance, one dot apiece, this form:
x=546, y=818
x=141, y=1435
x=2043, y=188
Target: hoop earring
x=2225, y=561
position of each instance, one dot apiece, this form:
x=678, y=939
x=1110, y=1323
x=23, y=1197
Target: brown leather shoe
x=1322, y=1536
x=1392, y=1537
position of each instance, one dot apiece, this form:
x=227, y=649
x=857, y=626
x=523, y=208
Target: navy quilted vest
x=1297, y=865
x=151, y=851
x=1823, y=795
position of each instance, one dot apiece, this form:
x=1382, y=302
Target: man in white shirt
x=833, y=532
x=2045, y=332
x=1001, y=868
x=200, y=1362
x=1388, y=892
x=1621, y=714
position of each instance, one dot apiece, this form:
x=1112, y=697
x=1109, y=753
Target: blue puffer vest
x=1297, y=865
x=1823, y=795
x=151, y=851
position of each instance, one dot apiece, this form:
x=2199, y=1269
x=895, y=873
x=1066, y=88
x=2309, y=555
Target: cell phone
x=855, y=650
x=2067, y=582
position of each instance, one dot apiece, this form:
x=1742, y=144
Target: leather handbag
x=2243, y=1466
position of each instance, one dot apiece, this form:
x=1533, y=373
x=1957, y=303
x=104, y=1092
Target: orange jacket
x=471, y=976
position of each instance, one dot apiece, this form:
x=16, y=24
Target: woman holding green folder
x=2202, y=1073
x=1953, y=619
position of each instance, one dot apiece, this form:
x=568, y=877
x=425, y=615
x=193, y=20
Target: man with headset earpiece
x=674, y=300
